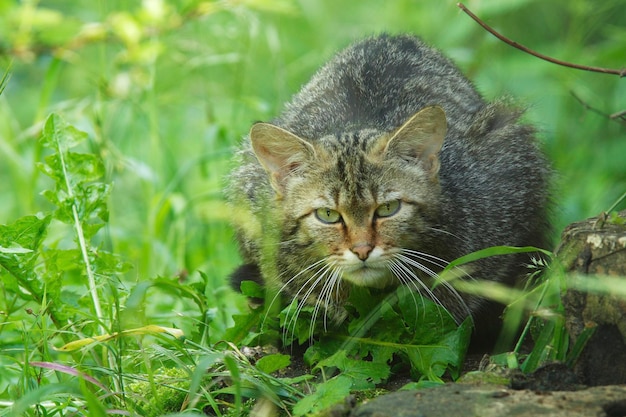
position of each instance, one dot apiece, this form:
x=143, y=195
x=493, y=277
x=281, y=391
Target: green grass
x=164, y=91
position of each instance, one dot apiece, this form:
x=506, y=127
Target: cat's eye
x=388, y=209
x=327, y=215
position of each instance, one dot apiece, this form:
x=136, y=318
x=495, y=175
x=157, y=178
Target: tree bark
x=593, y=253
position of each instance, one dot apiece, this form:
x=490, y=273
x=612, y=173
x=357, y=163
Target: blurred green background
x=166, y=89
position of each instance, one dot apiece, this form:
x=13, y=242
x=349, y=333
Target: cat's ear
x=279, y=151
x=420, y=138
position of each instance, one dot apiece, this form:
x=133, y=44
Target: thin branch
x=621, y=73
x=618, y=117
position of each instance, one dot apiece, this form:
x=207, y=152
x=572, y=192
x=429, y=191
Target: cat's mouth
x=368, y=275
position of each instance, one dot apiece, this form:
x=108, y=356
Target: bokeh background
x=166, y=89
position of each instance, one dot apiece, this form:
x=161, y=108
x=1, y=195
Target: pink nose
x=362, y=250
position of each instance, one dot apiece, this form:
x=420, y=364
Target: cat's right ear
x=279, y=151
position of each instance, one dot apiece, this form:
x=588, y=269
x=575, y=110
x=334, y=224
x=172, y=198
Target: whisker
x=326, y=294
x=292, y=320
x=435, y=260
x=447, y=232
x=412, y=258
x=408, y=276
x=323, y=283
x=286, y=284
x=397, y=269
x=328, y=269
x=416, y=264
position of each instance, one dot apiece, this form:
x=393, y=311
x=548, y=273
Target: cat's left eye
x=388, y=209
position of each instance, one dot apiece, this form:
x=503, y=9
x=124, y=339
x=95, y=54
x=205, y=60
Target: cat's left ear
x=279, y=151
x=420, y=138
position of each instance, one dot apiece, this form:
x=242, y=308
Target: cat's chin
x=369, y=277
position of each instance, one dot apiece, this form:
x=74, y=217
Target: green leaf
x=399, y=324
x=328, y=393
x=364, y=373
x=543, y=350
x=78, y=194
x=205, y=365
x=20, y=242
x=492, y=251
x=60, y=136
x=40, y=394
x=75, y=167
x=297, y=323
x=273, y=363
x=375, y=312
x=579, y=346
x=431, y=361
x=108, y=263
x=252, y=289
x=4, y=80
x=236, y=380
x=14, y=250
x=245, y=331
x=94, y=404
x=150, y=329
x=326, y=347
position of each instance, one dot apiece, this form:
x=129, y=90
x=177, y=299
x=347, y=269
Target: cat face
x=351, y=205
x=358, y=215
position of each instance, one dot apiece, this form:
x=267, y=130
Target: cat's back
x=378, y=83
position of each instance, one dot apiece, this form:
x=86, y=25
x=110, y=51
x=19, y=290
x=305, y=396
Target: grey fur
x=492, y=186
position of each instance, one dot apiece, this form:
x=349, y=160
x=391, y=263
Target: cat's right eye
x=327, y=215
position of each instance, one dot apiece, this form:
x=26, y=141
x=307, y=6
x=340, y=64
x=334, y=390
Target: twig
x=618, y=117
x=621, y=73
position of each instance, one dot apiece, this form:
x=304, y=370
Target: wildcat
x=386, y=166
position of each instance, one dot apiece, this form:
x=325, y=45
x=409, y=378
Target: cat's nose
x=362, y=250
